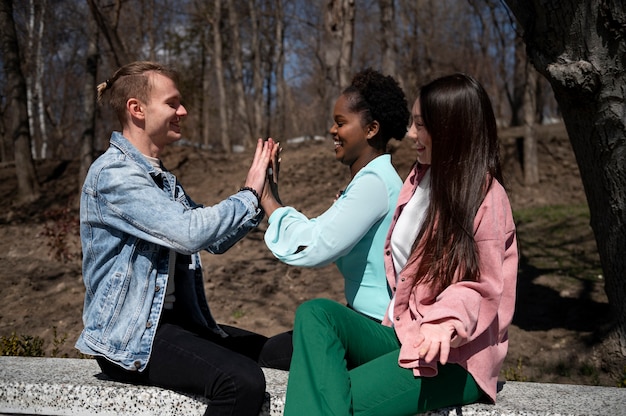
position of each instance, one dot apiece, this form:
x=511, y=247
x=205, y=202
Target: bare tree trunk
x=580, y=47
x=338, y=43
x=38, y=86
x=86, y=155
x=279, y=60
x=388, y=36
x=347, y=43
x=108, y=28
x=240, y=97
x=34, y=77
x=150, y=30
x=219, y=74
x=531, y=161
x=524, y=113
x=28, y=187
x=205, y=115
x=3, y=137
x=28, y=75
x=257, y=71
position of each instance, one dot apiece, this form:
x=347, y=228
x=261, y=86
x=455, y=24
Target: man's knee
x=251, y=383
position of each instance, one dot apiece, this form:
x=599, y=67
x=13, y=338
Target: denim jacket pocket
x=124, y=311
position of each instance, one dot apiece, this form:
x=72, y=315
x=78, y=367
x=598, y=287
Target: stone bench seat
x=63, y=386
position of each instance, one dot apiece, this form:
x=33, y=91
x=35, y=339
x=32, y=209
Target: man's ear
x=135, y=108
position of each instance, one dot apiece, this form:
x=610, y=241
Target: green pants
x=346, y=364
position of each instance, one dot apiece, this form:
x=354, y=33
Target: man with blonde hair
x=146, y=317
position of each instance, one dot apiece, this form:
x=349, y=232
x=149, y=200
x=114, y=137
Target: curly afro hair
x=379, y=97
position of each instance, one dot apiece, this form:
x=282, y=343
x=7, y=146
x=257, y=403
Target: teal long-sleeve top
x=350, y=233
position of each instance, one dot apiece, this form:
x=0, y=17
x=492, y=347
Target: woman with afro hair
x=351, y=233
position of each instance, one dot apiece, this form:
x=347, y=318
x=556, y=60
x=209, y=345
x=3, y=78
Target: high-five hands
x=273, y=171
x=270, y=199
x=262, y=157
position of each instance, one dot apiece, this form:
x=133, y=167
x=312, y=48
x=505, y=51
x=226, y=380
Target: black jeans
x=277, y=351
x=197, y=361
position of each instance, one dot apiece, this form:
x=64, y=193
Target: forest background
x=261, y=68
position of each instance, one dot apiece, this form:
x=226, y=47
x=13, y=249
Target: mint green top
x=350, y=233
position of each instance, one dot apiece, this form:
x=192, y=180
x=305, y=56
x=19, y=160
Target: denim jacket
x=131, y=215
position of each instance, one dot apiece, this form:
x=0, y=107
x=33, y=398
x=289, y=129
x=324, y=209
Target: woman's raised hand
x=270, y=198
x=262, y=156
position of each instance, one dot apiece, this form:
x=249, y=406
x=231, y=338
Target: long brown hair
x=458, y=115
x=132, y=81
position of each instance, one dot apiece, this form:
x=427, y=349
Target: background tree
x=580, y=47
x=516, y=78
x=243, y=120
x=16, y=112
x=3, y=135
x=338, y=43
x=34, y=79
x=278, y=60
x=108, y=23
x=389, y=49
x=87, y=145
x=218, y=67
x=257, y=70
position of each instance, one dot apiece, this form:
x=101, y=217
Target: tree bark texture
x=523, y=101
x=257, y=75
x=207, y=77
x=347, y=43
x=218, y=64
x=16, y=113
x=34, y=81
x=237, y=71
x=279, y=61
x=338, y=44
x=529, y=106
x=580, y=47
x=86, y=155
x=388, y=37
x=107, y=27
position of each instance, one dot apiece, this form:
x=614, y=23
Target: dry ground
x=558, y=334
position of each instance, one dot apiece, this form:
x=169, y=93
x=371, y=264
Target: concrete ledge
x=63, y=386
x=542, y=399
x=77, y=387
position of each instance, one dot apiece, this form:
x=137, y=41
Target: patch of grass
x=563, y=369
x=552, y=214
x=622, y=382
x=58, y=342
x=515, y=374
x=559, y=239
x=239, y=313
x=22, y=346
x=31, y=346
x=590, y=372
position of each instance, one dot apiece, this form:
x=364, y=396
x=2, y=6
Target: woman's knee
x=320, y=307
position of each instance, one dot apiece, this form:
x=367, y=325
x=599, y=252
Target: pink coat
x=481, y=311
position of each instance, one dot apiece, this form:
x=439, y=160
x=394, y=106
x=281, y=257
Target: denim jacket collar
x=164, y=179
x=126, y=147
